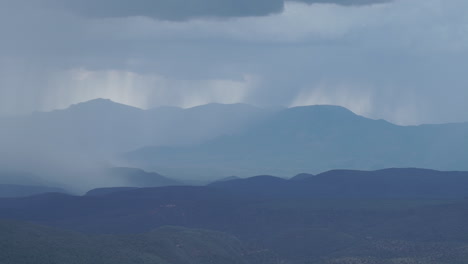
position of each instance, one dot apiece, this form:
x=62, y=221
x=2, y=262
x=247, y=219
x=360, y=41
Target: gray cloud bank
x=179, y=10
x=343, y=2
x=391, y=61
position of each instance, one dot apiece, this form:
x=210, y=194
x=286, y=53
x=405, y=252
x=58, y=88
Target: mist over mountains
x=216, y=141
x=73, y=145
x=138, y=164
x=233, y=132
x=101, y=127
x=313, y=139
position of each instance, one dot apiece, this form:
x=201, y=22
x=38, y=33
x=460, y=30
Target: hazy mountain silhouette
x=315, y=139
x=230, y=178
x=132, y=177
x=15, y=177
x=215, y=141
x=24, y=183
x=108, y=190
x=102, y=127
x=302, y=176
x=9, y=190
x=65, y=145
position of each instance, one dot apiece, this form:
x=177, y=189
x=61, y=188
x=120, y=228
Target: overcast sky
x=404, y=60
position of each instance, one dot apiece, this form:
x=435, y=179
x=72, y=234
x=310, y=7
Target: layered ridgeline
x=18, y=184
x=215, y=140
x=314, y=139
x=141, y=209
x=65, y=145
x=102, y=127
x=395, y=216
x=11, y=190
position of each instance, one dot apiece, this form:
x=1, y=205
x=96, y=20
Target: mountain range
x=102, y=127
x=17, y=184
x=313, y=139
x=216, y=141
x=391, y=216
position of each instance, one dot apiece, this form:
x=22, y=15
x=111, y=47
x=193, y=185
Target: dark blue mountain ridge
x=386, y=183
x=220, y=203
x=381, y=216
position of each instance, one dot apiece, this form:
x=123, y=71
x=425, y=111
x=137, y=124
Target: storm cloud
x=403, y=61
x=179, y=10
x=343, y=2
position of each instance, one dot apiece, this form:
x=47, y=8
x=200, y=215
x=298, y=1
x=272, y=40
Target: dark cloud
x=179, y=10
x=343, y=2
x=390, y=61
x=175, y=9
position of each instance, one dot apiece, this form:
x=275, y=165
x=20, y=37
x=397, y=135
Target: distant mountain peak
x=215, y=106
x=100, y=104
x=230, y=178
x=302, y=176
x=102, y=100
x=97, y=101
x=321, y=109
